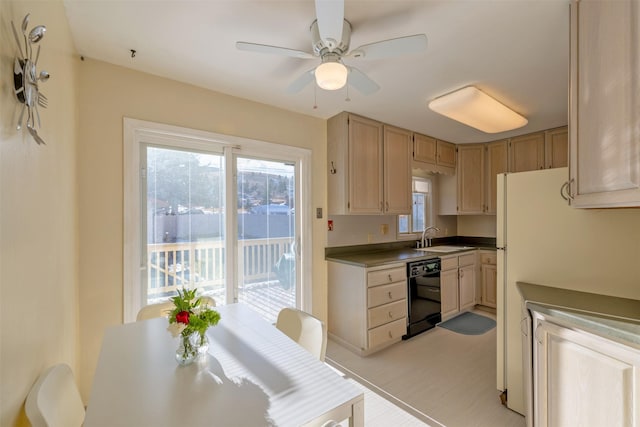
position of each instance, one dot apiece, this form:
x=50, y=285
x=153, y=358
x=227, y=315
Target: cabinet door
x=449, y=292
x=467, y=287
x=424, y=149
x=583, y=380
x=470, y=179
x=489, y=296
x=527, y=152
x=556, y=148
x=497, y=163
x=365, y=166
x=446, y=154
x=397, y=170
x=605, y=103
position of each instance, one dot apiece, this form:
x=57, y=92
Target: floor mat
x=469, y=324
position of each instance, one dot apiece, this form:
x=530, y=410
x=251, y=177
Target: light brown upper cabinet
x=604, y=165
x=527, y=152
x=434, y=155
x=369, y=167
x=424, y=149
x=398, y=144
x=556, y=148
x=497, y=162
x=446, y=154
x=471, y=179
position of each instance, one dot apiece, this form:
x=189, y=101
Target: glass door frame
x=138, y=134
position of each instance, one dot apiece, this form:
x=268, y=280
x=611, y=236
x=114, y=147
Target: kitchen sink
x=444, y=249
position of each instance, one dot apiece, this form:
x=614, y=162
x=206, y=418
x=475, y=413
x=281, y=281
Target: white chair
x=54, y=400
x=152, y=311
x=308, y=331
x=162, y=309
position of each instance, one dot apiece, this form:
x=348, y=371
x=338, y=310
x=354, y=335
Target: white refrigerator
x=543, y=240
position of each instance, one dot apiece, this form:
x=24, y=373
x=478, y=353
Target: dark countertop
x=374, y=258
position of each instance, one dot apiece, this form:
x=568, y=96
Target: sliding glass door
x=224, y=223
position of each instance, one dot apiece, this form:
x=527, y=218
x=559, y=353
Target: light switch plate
x=319, y=213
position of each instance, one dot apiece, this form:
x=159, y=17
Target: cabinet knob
x=390, y=278
x=387, y=206
x=390, y=315
x=390, y=334
x=390, y=296
x=461, y=273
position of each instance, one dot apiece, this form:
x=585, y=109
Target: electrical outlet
x=319, y=213
x=369, y=237
x=384, y=228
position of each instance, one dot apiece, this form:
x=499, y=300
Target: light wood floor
x=441, y=377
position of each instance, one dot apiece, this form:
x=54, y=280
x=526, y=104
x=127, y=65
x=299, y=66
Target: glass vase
x=187, y=350
x=190, y=347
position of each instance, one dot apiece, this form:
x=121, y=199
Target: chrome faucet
x=424, y=232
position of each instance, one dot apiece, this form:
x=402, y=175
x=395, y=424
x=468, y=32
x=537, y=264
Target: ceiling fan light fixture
x=475, y=108
x=331, y=75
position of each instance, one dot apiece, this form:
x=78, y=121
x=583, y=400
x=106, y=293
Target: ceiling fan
x=330, y=38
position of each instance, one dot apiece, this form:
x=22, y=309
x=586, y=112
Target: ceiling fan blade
x=392, y=47
x=273, y=50
x=330, y=15
x=361, y=82
x=298, y=84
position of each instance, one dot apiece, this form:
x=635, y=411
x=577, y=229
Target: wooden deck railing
x=201, y=264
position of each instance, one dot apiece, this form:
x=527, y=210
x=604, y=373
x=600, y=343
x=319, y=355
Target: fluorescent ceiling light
x=331, y=75
x=475, y=108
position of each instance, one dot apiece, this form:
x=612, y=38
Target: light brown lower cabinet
x=457, y=284
x=489, y=278
x=367, y=306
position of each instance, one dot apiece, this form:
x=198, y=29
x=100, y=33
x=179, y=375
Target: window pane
x=418, y=212
x=266, y=235
x=403, y=223
x=185, y=223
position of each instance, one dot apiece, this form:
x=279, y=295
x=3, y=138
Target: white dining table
x=252, y=375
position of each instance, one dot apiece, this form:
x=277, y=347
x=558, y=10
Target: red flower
x=183, y=317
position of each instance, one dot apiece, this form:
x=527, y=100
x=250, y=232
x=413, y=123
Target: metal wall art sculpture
x=26, y=78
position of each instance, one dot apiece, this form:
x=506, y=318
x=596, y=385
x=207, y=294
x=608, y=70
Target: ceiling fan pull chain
x=347, y=86
x=315, y=97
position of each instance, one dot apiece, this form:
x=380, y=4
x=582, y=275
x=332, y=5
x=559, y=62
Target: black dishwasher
x=423, y=296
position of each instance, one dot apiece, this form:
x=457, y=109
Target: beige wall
x=38, y=220
x=107, y=94
x=477, y=225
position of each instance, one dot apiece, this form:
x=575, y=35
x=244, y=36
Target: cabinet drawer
x=386, y=313
x=488, y=259
x=387, y=332
x=386, y=293
x=449, y=263
x=468, y=259
x=383, y=277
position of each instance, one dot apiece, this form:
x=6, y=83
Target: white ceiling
x=515, y=50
